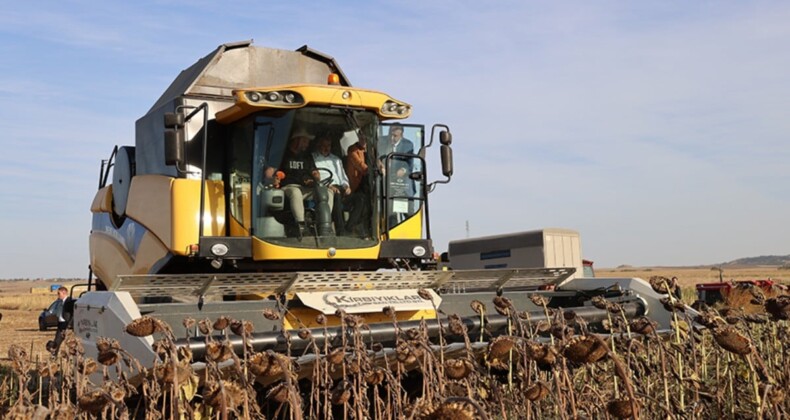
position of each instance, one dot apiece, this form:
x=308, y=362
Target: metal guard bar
x=294, y=282
x=384, y=333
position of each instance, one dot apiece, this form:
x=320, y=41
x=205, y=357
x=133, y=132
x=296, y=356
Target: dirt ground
x=20, y=308
x=21, y=327
x=19, y=323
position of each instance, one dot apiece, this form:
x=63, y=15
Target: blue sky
x=658, y=130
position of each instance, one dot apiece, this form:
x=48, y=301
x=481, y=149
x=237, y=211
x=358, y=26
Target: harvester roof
x=241, y=65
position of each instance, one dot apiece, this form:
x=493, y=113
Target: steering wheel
x=328, y=181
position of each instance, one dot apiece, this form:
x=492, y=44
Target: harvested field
x=689, y=276
x=734, y=366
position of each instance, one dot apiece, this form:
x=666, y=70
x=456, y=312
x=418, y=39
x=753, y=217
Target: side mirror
x=447, y=159
x=445, y=138
x=174, y=147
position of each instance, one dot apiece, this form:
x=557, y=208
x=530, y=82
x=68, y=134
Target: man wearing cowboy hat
x=301, y=175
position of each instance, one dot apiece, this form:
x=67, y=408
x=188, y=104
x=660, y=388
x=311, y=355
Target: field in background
x=689, y=276
x=20, y=309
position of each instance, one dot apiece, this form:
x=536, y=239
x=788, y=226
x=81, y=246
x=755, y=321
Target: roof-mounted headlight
x=275, y=97
x=391, y=108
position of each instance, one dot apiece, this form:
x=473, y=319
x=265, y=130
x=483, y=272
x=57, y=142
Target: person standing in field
x=64, y=318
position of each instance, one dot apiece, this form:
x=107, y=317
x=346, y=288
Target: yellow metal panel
x=236, y=229
x=266, y=251
x=102, y=201
x=411, y=228
x=313, y=95
x=185, y=196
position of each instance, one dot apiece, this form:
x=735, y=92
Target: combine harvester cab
x=200, y=222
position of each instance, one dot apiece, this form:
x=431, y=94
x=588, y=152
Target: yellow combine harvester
x=263, y=182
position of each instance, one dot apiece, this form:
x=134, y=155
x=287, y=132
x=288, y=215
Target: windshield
x=313, y=177
x=398, y=149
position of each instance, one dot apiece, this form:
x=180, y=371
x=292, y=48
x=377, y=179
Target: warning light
x=333, y=79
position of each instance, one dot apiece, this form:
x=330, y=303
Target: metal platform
x=459, y=281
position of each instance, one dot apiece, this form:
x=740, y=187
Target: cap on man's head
x=302, y=132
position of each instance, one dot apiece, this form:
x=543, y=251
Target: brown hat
x=302, y=132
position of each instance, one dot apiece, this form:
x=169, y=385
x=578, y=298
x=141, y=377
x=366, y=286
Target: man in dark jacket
x=63, y=309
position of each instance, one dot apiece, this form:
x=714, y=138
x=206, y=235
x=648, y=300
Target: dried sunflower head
x=542, y=354
x=458, y=369
x=304, y=333
x=478, y=307
x=243, y=328
x=672, y=305
x=188, y=322
x=204, y=325
x=455, y=408
x=336, y=356
x=269, y=364
x=732, y=340
x=538, y=391
x=93, y=402
x=622, y=408
x=218, y=351
x=503, y=305
x=115, y=391
x=221, y=323
x=271, y=314
x=341, y=393
x=279, y=393
x=599, y=302
x=662, y=284
x=425, y=294
x=500, y=350
x=144, y=326
x=231, y=392
x=108, y=351
x=407, y=353
x=779, y=307
x=456, y=325
x=375, y=376
x=538, y=300
x=87, y=366
x=585, y=349
x=643, y=325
